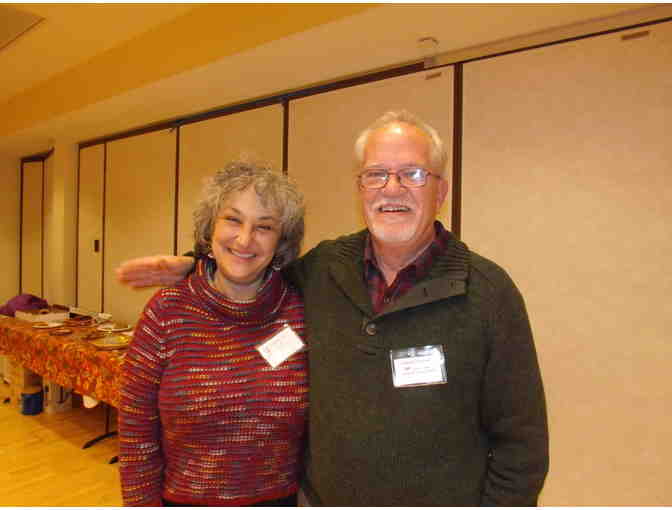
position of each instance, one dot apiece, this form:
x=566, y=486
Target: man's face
x=400, y=217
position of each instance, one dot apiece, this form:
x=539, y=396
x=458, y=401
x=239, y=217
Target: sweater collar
x=452, y=264
x=269, y=299
x=419, y=267
x=453, y=257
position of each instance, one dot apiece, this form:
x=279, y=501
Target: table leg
x=107, y=433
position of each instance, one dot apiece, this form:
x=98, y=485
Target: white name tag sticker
x=418, y=366
x=280, y=346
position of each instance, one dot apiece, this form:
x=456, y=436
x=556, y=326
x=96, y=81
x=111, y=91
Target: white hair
x=437, y=151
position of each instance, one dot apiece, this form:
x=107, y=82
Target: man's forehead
x=399, y=138
x=396, y=131
x=399, y=128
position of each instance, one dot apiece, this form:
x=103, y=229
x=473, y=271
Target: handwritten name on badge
x=280, y=346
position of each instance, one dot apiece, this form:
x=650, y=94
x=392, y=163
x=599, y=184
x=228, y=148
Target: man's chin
x=392, y=235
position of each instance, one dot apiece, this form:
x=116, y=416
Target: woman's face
x=244, y=241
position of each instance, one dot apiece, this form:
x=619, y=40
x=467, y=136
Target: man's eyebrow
x=383, y=166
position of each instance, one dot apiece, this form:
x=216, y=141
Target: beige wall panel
x=9, y=229
x=31, y=229
x=90, y=262
x=322, y=132
x=51, y=256
x=139, y=212
x=60, y=223
x=206, y=146
x=567, y=184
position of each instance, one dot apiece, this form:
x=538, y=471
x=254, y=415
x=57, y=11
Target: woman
x=214, y=396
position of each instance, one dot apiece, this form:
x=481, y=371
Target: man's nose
x=393, y=185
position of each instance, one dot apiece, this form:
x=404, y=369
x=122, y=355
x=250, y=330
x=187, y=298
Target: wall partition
x=10, y=219
x=322, y=132
x=50, y=235
x=567, y=184
x=90, y=228
x=32, y=200
x=139, y=212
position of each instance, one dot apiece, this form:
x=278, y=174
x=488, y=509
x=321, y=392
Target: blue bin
x=32, y=403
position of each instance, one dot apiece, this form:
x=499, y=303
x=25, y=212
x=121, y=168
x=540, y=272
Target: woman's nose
x=244, y=237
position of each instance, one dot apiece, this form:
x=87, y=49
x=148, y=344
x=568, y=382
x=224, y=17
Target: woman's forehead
x=251, y=203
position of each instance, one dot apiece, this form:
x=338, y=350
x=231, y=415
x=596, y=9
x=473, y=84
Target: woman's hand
x=155, y=270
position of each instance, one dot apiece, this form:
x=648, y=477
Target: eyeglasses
x=411, y=177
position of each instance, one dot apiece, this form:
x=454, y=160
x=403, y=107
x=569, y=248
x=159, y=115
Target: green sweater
x=480, y=439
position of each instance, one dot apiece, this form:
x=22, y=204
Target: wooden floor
x=42, y=462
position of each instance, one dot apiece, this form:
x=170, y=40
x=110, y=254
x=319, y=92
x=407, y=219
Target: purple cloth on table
x=23, y=302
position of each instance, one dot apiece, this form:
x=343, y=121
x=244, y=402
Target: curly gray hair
x=437, y=150
x=275, y=191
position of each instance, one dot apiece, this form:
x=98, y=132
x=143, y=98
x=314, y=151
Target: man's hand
x=152, y=271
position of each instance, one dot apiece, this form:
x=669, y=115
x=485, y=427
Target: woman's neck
x=234, y=291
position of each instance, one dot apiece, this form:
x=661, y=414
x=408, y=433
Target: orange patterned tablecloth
x=66, y=360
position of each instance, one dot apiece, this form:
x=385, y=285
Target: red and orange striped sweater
x=203, y=418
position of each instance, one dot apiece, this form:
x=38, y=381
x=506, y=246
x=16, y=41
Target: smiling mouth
x=241, y=255
x=393, y=209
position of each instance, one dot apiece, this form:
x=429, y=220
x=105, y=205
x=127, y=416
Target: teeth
x=394, y=208
x=242, y=255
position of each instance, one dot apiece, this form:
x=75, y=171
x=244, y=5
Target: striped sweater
x=203, y=418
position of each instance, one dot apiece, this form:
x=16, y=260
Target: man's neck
x=393, y=257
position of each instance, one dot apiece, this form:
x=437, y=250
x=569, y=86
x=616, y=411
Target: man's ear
x=442, y=193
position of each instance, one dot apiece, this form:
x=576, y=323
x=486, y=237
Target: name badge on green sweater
x=418, y=366
x=280, y=346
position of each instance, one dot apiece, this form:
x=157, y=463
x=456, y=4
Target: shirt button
x=370, y=329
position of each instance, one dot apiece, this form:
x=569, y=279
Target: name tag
x=418, y=366
x=280, y=346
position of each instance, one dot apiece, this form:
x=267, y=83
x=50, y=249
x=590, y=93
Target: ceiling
x=89, y=70
x=14, y=23
x=69, y=35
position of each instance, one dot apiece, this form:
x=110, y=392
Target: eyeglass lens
x=408, y=177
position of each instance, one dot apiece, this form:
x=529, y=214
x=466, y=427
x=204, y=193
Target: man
x=425, y=386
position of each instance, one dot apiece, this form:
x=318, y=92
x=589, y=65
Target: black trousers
x=288, y=501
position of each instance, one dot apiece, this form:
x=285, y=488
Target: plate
x=47, y=325
x=114, y=328
x=110, y=343
x=94, y=335
x=79, y=322
x=62, y=331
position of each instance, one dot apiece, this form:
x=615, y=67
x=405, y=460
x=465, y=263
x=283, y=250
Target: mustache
x=391, y=203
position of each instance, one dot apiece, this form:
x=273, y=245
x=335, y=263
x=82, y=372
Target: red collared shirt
x=381, y=294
